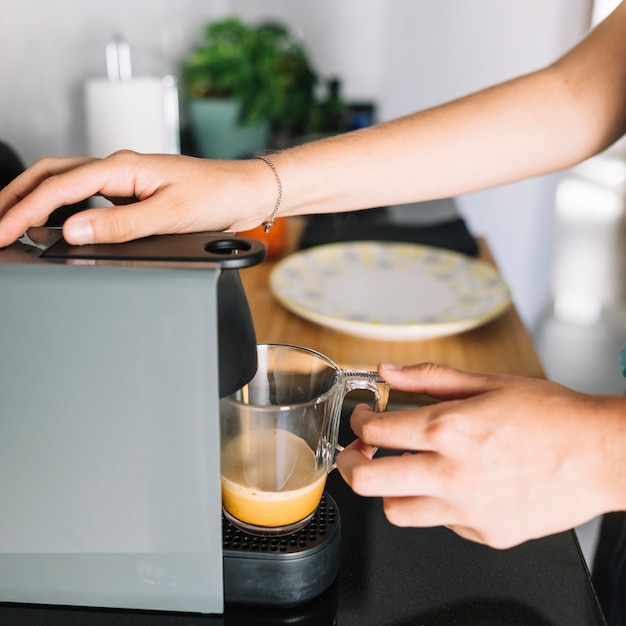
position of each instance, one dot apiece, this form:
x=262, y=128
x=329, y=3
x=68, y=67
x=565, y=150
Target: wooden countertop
x=501, y=346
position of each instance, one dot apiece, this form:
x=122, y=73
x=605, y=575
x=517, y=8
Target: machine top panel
x=223, y=250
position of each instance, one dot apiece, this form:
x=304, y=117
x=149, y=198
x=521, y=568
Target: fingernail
x=391, y=366
x=80, y=232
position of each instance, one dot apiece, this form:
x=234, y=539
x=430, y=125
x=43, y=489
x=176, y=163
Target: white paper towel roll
x=138, y=114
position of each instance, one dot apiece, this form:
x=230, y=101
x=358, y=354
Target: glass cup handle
x=365, y=379
x=370, y=381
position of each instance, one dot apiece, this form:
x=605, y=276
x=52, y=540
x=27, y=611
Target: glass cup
x=279, y=437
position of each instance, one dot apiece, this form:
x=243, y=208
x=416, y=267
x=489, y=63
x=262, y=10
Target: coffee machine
x=113, y=360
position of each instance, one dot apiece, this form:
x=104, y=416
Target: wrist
x=242, y=191
x=610, y=455
x=271, y=220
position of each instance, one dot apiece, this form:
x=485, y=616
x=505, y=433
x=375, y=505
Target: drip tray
x=283, y=571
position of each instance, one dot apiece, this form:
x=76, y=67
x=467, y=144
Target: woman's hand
x=152, y=194
x=499, y=460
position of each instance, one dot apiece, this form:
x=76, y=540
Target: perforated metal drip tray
x=285, y=570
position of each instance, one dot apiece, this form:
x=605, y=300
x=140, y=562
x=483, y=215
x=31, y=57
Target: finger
x=411, y=429
x=468, y=533
x=406, y=475
x=29, y=180
x=418, y=512
x=427, y=512
x=366, y=450
x=438, y=381
x=118, y=223
x=22, y=206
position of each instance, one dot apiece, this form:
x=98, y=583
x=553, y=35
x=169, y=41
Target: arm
x=535, y=124
x=501, y=459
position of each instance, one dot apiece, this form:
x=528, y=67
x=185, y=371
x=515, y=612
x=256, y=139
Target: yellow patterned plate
x=389, y=290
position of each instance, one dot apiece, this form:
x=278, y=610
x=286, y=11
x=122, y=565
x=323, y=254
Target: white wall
x=48, y=50
x=404, y=54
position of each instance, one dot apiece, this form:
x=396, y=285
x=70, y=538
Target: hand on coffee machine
x=151, y=194
x=499, y=459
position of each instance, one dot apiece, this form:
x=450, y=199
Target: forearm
x=486, y=139
x=535, y=124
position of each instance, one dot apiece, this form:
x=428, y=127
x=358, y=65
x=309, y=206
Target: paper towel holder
x=127, y=112
x=118, y=59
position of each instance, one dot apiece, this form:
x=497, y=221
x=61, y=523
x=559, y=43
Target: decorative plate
x=391, y=291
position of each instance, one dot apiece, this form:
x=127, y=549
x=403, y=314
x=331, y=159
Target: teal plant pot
x=217, y=133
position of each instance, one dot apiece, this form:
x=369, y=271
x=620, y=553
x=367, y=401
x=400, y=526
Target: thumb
x=437, y=381
x=114, y=224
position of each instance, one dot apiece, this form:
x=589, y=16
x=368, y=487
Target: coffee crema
x=270, y=478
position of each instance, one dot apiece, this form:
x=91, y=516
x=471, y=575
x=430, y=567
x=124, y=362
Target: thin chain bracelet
x=268, y=223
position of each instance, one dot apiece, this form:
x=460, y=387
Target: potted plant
x=245, y=83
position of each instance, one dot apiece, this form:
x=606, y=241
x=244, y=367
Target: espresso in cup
x=270, y=494
x=279, y=437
